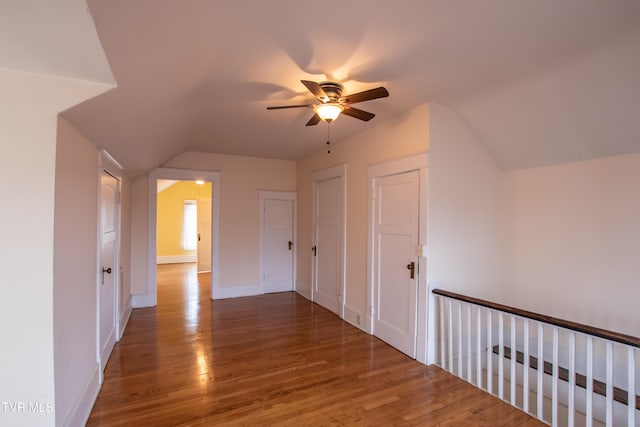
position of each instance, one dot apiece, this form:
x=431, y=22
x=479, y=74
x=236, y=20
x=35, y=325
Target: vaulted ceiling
x=538, y=82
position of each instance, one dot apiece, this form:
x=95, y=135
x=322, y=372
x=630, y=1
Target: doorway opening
x=183, y=229
x=180, y=184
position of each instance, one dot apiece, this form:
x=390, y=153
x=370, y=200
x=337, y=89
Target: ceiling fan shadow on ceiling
x=332, y=103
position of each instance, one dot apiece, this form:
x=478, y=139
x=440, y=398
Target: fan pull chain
x=329, y=138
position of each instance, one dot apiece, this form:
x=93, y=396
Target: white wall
x=241, y=178
x=28, y=120
x=399, y=137
x=74, y=269
x=463, y=220
x=572, y=241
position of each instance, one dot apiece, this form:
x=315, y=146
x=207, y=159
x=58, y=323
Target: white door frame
x=338, y=171
x=150, y=299
x=420, y=163
x=106, y=163
x=263, y=196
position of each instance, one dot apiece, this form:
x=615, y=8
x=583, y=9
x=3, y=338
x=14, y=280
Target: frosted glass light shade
x=329, y=112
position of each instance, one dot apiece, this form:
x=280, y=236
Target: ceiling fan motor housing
x=333, y=91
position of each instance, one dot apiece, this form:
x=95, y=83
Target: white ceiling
x=538, y=81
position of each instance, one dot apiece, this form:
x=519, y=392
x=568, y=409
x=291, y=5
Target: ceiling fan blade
x=314, y=120
x=367, y=95
x=315, y=89
x=280, y=107
x=357, y=113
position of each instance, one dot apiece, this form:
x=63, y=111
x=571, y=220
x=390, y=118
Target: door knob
x=105, y=270
x=412, y=268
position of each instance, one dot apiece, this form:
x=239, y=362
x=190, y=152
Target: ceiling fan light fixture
x=329, y=111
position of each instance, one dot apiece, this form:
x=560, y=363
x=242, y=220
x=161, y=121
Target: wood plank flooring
x=272, y=360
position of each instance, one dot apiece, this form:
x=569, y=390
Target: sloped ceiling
x=538, y=82
x=52, y=37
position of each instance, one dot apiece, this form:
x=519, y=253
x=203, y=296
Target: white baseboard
x=355, y=317
x=224, y=292
x=176, y=259
x=303, y=289
x=125, y=314
x=81, y=410
x=143, y=301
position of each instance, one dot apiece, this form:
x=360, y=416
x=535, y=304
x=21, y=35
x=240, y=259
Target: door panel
x=328, y=238
x=277, y=252
x=108, y=268
x=327, y=289
x=204, y=231
x=396, y=227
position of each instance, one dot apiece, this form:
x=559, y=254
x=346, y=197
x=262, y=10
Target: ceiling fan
x=332, y=103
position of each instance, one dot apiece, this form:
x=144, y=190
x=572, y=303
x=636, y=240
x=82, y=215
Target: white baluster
x=469, y=376
x=572, y=379
x=443, y=362
x=478, y=348
x=540, y=391
x=631, y=387
x=554, y=386
x=609, y=417
x=450, y=330
x=514, y=354
x=500, y=355
x=460, y=340
x=589, y=379
x=525, y=373
x=489, y=352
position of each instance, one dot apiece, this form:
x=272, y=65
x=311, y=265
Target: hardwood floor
x=275, y=359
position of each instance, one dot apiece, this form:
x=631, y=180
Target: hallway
x=275, y=359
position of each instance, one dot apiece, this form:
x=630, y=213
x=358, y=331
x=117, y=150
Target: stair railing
x=563, y=373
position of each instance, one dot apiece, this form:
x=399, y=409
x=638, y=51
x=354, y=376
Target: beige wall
x=241, y=178
x=75, y=266
x=28, y=122
x=397, y=138
x=463, y=231
x=139, y=237
x=571, y=241
x=125, y=247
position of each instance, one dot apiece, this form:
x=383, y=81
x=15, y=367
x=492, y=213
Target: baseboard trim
x=81, y=410
x=237, y=291
x=355, y=317
x=124, y=317
x=142, y=301
x=176, y=259
x=303, y=289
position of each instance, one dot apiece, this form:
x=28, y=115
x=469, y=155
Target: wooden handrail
x=567, y=324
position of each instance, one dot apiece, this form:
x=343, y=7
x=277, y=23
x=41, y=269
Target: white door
x=328, y=249
x=396, y=234
x=277, y=247
x=109, y=213
x=204, y=231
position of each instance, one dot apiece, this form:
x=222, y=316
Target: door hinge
x=118, y=198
